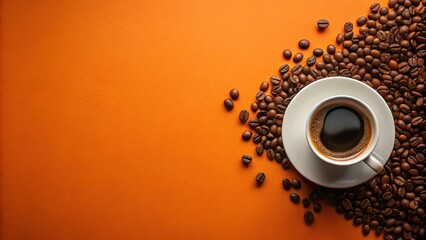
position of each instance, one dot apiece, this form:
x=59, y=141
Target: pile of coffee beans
x=387, y=52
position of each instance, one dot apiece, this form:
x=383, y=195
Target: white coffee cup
x=367, y=154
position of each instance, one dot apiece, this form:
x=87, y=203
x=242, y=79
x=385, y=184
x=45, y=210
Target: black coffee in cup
x=340, y=131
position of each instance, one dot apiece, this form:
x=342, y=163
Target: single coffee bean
x=304, y=44
x=375, y=7
x=234, y=93
x=322, y=24
x=244, y=115
x=309, y=217
x=264, y=86
x=229, y=105
x=283, y=69
x=297, y=57
x=306, y=202
x=254, y=106
x=286, y=184
x=340, y=38
x=246, y=135
x=246, y=159
x=260, y=96
x=331, y=49
x=318, y=52
x=348, y=27
x=365, y=229
x=296, y=183
x=294, y=197
x=287, y=54
x=297, y=69
x=259, y=149
x=317, y=207
x=361, y=21
x=260, y=178
x=311, y=61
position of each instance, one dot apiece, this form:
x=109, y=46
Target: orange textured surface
x=113, y=126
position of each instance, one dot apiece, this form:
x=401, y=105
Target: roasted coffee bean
x=286, y=184
x=348, y=27
x=317, y=207
x=246, y=135
x=264, y=86
x=260, y=96
x=247, y=159
x=287, y=54
x=284, y=69
x=304, y=44
x=311, y=61
x=259, y=149
x=365, y=229
x=297, y=57
x=234, y=94
x=361, y=21
x=296, y=183
x=297, y=69
x=253, y=123
x=294, y=197
x=331, y=49
x=322, y=24
x=318, y=52
x=229, y=105
x=260, y=178
x=254, y=107
x=339, y=38
x=309, y=217
x=285, y=163
x=244, y=115
x=306, y=202
x=375, y=7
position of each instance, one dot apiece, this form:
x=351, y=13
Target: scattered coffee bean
x=296, y=184
x=309, y=217
x=247, y=159
x=348, y=27
x=297, y=57
x=361, y=21
x=311, y=61
x=260, y=178
x=318, y=52
x=365, y=229
x=375, y=7
x=304, y=44
x=259, y=149
x=246, y=135
x=254, y=107
x=260, y=96
x=234, y=94
x=322, y=24
x=287, y=54
x=339, y=38
x=331, y=49
x=286, y=184
x=306, y=202
x=294, y=197
x=244, y=115
x=229, y=105
x=317, y=207
x=264, y=86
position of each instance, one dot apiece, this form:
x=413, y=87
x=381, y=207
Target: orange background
x=113, y=125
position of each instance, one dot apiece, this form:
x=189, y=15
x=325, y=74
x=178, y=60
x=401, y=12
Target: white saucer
x=294, y=136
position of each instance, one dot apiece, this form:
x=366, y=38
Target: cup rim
x=365, y=153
